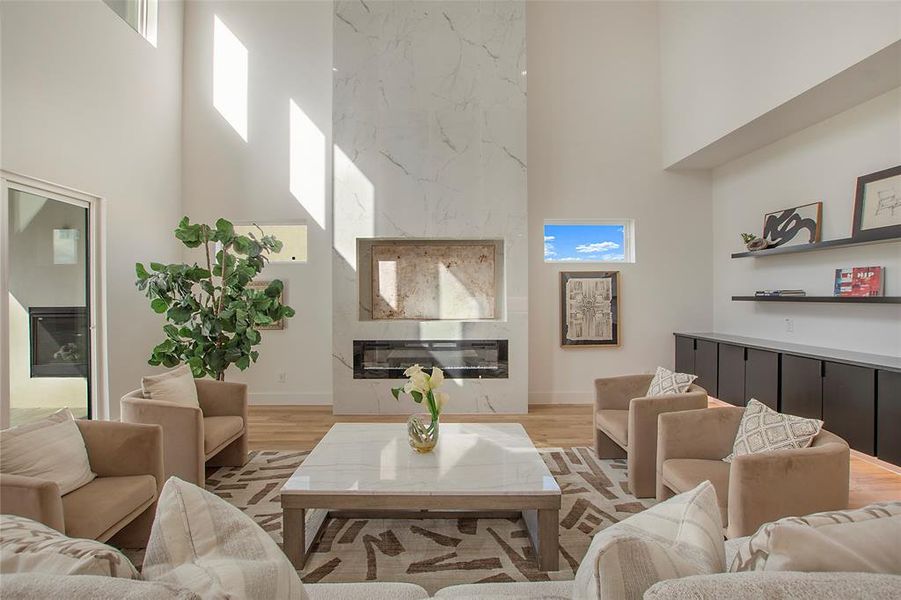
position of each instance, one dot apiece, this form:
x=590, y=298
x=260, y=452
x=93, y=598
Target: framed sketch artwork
x=793, y=226
x=589, y=308
x=877, y=205
x=261, y=286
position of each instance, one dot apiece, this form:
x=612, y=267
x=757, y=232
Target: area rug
x=436, y=553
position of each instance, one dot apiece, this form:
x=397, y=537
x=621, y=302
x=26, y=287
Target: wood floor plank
x=549, y=425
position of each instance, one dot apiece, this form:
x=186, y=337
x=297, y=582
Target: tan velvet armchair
x=117, y=506
x=754, y=488
x=213, y=435
x=625, y=424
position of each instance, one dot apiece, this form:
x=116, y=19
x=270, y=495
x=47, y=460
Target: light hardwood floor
x=557, y=425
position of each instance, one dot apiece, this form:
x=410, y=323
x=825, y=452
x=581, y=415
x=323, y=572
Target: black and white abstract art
x=589, y=308
x=793, y=226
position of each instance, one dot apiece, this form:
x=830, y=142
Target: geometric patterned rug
x=435, y=553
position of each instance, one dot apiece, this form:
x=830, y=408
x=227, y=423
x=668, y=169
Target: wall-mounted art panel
x=427, y=281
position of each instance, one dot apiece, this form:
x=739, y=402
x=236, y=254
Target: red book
x=859, y=281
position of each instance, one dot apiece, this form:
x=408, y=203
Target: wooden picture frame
x=589, y=309
x=877, y=212
x=783, y=227
x=261, y=286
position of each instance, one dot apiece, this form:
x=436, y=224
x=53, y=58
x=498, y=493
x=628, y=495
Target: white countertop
x=470, y=459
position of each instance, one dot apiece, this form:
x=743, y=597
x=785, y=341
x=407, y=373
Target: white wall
x=594, y=152
x=820, y=163
x=726, y=63
x=90, y=104
x=289, y=48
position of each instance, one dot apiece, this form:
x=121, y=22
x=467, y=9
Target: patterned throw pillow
x=27, y=546
x=754, y=551
x=204, y=544
x=666, y=383
x=679, y=537
x=762, y=429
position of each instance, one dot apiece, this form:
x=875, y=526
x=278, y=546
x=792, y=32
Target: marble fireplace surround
x=431, y=279
x=429, y=131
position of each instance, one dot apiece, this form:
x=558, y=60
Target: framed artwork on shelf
x=793, y=226
x=589, y=308
x=877, y=205
x=260, y=286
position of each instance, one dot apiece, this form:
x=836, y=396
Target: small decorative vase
x=422, y=431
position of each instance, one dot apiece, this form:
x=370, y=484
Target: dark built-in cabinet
x=802, y=386
x=888, y=416
x=857, y=395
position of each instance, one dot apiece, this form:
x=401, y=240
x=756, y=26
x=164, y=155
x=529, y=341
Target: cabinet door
x=802, y=386
x=685, y=354
x=888, y=416
x=849, y=404
x=762, y=377
x=705, y=365
x=731, y=374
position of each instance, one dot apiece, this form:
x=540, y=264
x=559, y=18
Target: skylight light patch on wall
x=230, y=69
x=589, y=241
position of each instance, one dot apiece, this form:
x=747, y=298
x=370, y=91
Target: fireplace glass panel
x=459, y=359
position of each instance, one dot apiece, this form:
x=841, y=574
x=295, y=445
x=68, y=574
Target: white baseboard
x=561, y=397
x=288, y=399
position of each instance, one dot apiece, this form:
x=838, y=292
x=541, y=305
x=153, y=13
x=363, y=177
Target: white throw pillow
x=762, y=429
x=203, y=543
x=679, y=537
x=667, y=383
x=175, y=386
x=865, y=539
x=27, y=546
x=51, y=449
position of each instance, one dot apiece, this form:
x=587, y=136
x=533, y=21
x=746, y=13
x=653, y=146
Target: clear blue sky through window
x=586, y=242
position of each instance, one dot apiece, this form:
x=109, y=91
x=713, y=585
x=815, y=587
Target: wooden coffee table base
x=299, y=536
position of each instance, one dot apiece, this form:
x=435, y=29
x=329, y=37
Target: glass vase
x=422, y=432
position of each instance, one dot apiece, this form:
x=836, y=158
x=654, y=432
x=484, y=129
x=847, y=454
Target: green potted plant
x=213, y=316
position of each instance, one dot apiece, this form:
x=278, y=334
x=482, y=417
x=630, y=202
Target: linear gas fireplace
x=459, y=359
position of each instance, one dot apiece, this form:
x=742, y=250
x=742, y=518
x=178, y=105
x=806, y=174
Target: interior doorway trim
x=96, y=286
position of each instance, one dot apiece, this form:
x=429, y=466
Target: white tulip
x=420, y=382
x=441, y=398
x=436, y=379
x=412, y=370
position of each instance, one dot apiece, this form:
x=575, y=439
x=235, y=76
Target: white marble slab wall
x=429, y=125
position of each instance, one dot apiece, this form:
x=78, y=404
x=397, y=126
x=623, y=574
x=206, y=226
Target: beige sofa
x=754, y=488
x=625, y=424
x=118, y=505
x=213, y=435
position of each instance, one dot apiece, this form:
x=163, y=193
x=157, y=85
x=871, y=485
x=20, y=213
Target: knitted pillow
x=762, y=429
x=667, y=383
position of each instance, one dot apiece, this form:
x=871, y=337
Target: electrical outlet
x=790, y=325
x=282, y=377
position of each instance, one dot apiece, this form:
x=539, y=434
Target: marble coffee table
x=367, y=470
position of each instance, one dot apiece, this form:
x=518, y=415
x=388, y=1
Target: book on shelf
x=771, y=293
x=859, y=282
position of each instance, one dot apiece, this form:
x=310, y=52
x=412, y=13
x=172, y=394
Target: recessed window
x=292, y=237
x=589, y=241
x=140, y=14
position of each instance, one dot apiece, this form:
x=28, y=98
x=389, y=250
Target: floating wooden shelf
x=829, y=244
x=838, y=299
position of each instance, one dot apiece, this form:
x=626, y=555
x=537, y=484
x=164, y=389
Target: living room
x=457, y=298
